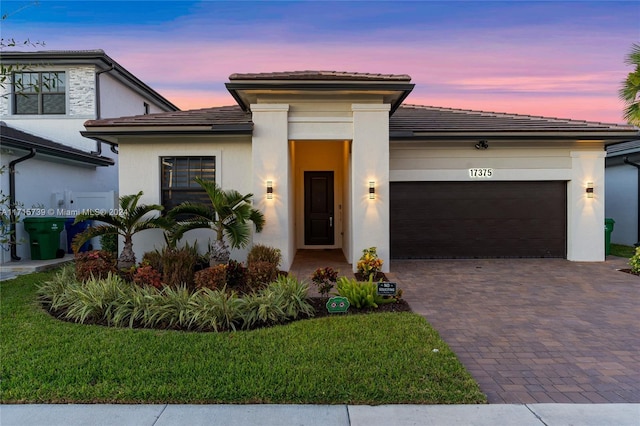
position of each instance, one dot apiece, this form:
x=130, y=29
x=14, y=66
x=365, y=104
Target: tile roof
x=417, y=118
x=408, y=121
x=320, y=75
x=630, y=147
x=11, y=137
x=216, y=116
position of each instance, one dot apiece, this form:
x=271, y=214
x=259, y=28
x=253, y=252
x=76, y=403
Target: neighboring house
x=42, y=109
x=622, y=175
x=334, y=160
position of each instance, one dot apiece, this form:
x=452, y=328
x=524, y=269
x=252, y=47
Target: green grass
x=622, y=251
x=356, y=359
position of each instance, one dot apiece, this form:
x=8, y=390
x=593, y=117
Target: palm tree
x=229, y=215
x=132, y=219
x=630, y=90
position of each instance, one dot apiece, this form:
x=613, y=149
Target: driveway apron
x=534, y=330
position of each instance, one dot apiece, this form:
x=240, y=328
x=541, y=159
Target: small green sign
x=337, y=304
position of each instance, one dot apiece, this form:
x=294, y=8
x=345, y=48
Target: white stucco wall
x=140, y=171
x=271, y=162
x=37, y=181
x=622, y=202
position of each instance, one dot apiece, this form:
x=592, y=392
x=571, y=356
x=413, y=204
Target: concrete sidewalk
x=312, y=415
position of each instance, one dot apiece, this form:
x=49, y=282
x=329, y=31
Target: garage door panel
x=478, y=219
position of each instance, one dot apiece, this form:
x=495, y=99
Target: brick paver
x=528, y=330
x=534, y=330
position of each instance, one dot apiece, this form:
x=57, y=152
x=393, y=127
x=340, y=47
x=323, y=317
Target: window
x=177, y=174
x=39, y=93
x=145, y=106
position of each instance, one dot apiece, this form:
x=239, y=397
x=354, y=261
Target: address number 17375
x=480, y=173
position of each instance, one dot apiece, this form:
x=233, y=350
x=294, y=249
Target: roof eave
x=608, y=137
x=236, y=88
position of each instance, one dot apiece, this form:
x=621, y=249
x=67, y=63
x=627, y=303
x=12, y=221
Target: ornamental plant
x=634, y=262
x=369, y=264
x=324, y=279
x=95, y=263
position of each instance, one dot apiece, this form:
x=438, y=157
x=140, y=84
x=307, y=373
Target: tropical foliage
x=229, y=215
x=630, y=90
x=132, y=218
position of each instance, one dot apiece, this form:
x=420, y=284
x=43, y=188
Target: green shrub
x=96, y=299
x=361, y=294
x=213, y=278
x=217, y=310
x=292, y=296
x=262, y=308
x=113, y=301
x=109, y=242
x=172, y=308
x=262, y=253
x=634, y=262
x=95, y=263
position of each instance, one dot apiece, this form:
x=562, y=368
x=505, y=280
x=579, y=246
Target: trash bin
x=44, y=236
x=608, y=229
x=73, y=230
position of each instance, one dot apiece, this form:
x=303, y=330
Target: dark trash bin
x=73, y=230
x=44, y=236
x=608, y=229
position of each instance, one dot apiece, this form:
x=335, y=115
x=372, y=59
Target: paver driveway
x=534, y=330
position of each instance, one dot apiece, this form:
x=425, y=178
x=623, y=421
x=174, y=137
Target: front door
x=318, y=208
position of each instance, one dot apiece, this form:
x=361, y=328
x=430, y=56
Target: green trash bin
x=44, y=236
x=608, y=229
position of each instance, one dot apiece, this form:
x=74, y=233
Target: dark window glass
x=177, y=179
x=39, y=93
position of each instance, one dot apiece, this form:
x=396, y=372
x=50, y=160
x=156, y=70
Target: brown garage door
x=478, y=219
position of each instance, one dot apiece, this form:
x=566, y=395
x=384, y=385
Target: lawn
x=622, y=251
x=357, y=359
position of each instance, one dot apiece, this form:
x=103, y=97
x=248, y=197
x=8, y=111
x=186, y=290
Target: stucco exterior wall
x=140, y=171
x=622, y=202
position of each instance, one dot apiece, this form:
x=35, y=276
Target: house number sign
x=481, y=173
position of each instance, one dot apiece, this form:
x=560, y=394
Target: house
x=337, y=160
x=622, y=173
x=49, y=167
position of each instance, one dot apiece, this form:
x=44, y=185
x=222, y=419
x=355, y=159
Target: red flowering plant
x=146, y=275
x=324, y=279
x=96, y=263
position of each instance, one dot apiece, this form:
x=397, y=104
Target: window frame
x=192, y=172
x=39, y=92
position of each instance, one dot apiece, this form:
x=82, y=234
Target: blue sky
x=562, y=59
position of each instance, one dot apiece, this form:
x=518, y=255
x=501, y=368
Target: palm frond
x=91, y=232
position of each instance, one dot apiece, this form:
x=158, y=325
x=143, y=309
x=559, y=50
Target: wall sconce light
x=482, y=144
x=589, y=190
x=269, y=190
x=372, y=190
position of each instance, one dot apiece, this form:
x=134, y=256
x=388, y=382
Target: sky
x=547, y=58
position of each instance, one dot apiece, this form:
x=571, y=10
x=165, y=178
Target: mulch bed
x=628, y=271
x=320, y=306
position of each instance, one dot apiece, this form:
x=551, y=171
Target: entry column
x=370, y=167
x=271, y=164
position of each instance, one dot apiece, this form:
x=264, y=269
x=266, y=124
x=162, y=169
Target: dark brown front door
x=318, y=208
x=478, y=219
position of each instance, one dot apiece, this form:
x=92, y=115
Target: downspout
x=636, y=165
x=12, y=201
x=98, y=150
